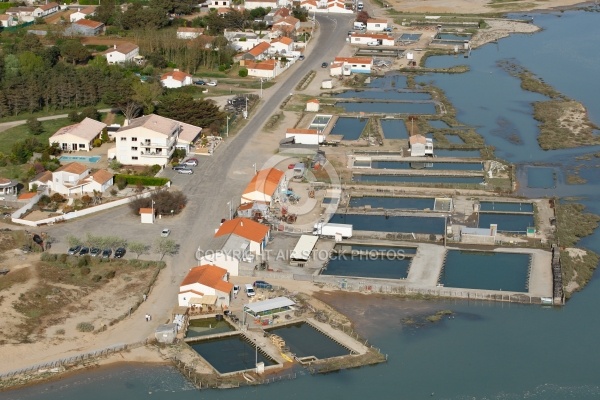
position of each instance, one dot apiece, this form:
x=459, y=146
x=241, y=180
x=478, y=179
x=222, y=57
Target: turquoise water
x=394, y=129
x=467, y=180
x=486, y=270
x=388, y=108
x=507, y=222
x=304, y=340
x=505, y=206
x=349, y=128
x=86, y=159
x=368, y=267
x=489, y=351
x=230, y=354
x=430, y=165
x=407, y=203
x=382, y=223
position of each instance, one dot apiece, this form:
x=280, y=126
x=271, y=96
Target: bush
x=60, y=331
x=243, y=73
x=96, y=278
x=58, y=198
x=35, y=127
x=121, y=182
x=62, y=258
x=83, y=261
x=140, y=180
x=111, y=274
x=85, y=327
x=49, y=257
x=85, y=271
x=155, y=169
x=97, y=142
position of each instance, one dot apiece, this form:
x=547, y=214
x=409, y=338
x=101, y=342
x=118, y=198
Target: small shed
x=166, y=333
x=269, y=307
x=327, y=84
x=147, y=215
x=312, y=105
x=301, y=253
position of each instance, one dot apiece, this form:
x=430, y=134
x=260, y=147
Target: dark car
x=179, y=167
x=120, y=252
x=94, y=252
x=201, y=83
x=262, y=285
x=74, y=250
x=84, y=251
x=106, y=253
x=324, y=65
x=301, y=58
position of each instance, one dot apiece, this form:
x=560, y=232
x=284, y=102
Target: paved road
x=10, y=124
x=217, y=180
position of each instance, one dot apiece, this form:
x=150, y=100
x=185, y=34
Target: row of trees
x=162, y=246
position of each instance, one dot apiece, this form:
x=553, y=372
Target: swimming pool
x=85, y=159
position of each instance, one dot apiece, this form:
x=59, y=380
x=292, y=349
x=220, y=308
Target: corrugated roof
x=270, y=304
x=304, y=247
x=302, y=131
x=245, y=228
x=265, y=181
x=208, y=275
x=376, y=20
x=355, y=60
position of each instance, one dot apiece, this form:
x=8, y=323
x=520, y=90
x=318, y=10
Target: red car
x=291, y=166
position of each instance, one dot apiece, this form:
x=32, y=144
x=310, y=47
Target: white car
x=373, y=43
x=212, y=83
x=186, y=171
x=236, y=289
x=165, y=232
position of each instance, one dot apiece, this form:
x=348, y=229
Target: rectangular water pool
x=368, y=267
x=375, y=248
x=375, y=94
x=382, y=223
x=389, y=108
x=394, y=129
x=541, y=177
x=505, y=206
x=85, y=159
x=207, y=326
x=507, y=222
x=230, y=354
x=450, y=166
x=458, y=153
x=470, y=180
x=486, y=270
x=349, y=128
x=304, y=341
x=406, y=203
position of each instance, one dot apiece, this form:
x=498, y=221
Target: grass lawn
x=21, y=132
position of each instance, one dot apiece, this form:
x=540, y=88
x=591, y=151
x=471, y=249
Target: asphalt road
x=216, y=181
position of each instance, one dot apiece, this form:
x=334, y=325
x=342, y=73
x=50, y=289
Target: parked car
x=212, y=83
x=84, y=251
x=236, y=289
x=94, y=251
x=186, y=171
x=388, y=29
x=200, y=83
x=106, y=253
x=373, y=43
x=324, y=65
x=249, y=290
x=165, y=232
x=190, y=163
x=179, y=167
x=301, y=58
x=74, y=250
x=120, y=252
x=262, y=285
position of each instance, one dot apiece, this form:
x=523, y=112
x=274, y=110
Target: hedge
x=143, y=180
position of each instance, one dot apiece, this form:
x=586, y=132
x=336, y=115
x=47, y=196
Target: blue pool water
x=304, y=341
x=541, y=177
x=349, y=128
x=428, y=166
x=507, y=222
x=467, y=180
x=380, y=223
x=486, y=270
x=85, y=159
x=394, y=129
x=504, y=206
x=230, y=354
x=389, y=108
x=381, y=268
x=406, y=203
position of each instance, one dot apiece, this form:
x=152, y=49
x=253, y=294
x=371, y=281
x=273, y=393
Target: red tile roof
x=265, y=181
x=267, y=65
x=74, y=168
x=48, y=6
x=146, y=210
x=259, y=49
x=102, y=176
x=302, y=131
x=208, y=275
x=26, y=196
x=244, y=227
x=355, y=60
x=417, y=139
x=89, y=23
x=176, y=75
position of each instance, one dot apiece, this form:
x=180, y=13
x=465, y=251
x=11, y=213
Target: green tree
x=139, y=248
x=106, y=12
x=203, y=113
x=146, y=94
x=74, y=52
x=35, y=127
x=74, y=241
x=243, y=72
x=165, y=247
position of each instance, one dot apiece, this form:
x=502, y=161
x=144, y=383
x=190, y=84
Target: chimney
x=176, y=70
x=114, y=46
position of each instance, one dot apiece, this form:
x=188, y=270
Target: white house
x=218, y=3
x=338, y=7
x=79, y=136
x=150, y=140
x=74, y=178
x=283, y=45
x=189, y=33
x=7, y=20
x=266, y=186
x=176, y=79
x=305, y=136
x=263, y=69
x=147, y=215
x=312, y=105
x=258, y=52
x=309, y=5
x=287, y=25
x=377, y=24
x=365, y=38
x=82, y=13
x=122, y=53
x=252, y=4
x=360, y=65
x=254, y=234
x=222, y=260
x=205, y=285
x=420, y=146
x=45, y=10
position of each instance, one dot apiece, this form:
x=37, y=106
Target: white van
x=249, y=289
x=359, y=25
x=360, y=6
